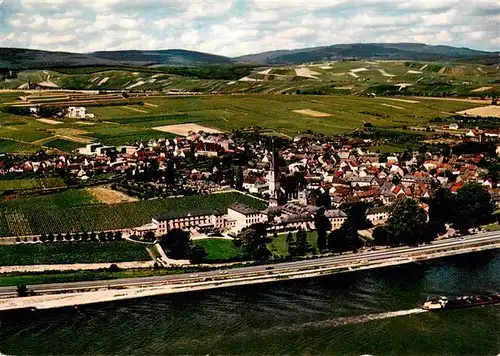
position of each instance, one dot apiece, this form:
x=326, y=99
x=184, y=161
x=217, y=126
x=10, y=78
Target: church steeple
x=273, y=178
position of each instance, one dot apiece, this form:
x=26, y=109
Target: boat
x=443, y=303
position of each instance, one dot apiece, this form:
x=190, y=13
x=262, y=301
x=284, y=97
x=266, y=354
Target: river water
x=370, y=312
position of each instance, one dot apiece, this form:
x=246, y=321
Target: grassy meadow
x=219, y=249
x=279, y=247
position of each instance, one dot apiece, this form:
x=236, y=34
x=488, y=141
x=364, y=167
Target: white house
x=90, y=149
x=77, y=112
x=337, y=218
x=378, y=215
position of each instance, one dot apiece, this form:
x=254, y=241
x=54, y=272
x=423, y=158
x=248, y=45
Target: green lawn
x=492, y=227
x=218, y=249
x=72, y=252
x=279, y=247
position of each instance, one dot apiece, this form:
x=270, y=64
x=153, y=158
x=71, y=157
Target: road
x=365, y=256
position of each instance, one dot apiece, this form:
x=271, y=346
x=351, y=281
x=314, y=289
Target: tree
x=22, y=291
x=381, y=236
x=102, y=236
x=43, y=237
x=197, y=254
x=473, y=207
x=291, y=244
x=262, y=253
x=442, y=205
x=149, y=236
x=85, y=236
x=113, y=268
x=67, y=237
x=324, y=200
x=238, y=178
x=59, y=237
x=322, y=225
x=357, y=214
x=408, y=224
x=302, y=244
x=176, y=243
x=110, y=236
x=252, y=241
x=118, y=235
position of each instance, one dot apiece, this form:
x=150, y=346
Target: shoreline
x=62, y=299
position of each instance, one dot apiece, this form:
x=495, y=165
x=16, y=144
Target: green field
x=117, y=125
x=63, y=145
x=9, y=146
x=218, y=249
x=72, y=252
x=33, y=183
x=77, y=211
x=279, y=247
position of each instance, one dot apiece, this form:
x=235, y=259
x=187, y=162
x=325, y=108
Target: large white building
x=243, y=216
x=238, y=217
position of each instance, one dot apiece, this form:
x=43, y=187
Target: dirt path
x=152, y=105
x=137, y=110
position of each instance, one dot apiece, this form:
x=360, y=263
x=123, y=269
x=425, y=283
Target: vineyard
x=75, y=211
x=68, y=252
x=27, y=184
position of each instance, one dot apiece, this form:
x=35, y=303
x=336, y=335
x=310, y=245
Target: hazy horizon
x=238, y=27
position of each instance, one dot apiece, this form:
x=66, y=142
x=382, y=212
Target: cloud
x=237, y=27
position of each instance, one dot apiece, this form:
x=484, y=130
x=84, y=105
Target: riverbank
x=69, y=297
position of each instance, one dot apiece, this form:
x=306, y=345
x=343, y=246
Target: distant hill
x=18, y=58
x=407, y=51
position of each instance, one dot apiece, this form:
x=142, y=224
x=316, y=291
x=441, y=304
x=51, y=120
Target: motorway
x=276, y=269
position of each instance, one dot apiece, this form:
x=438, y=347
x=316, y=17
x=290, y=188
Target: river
x=369, y=312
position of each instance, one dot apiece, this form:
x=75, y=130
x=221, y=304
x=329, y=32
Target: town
x=337, y=186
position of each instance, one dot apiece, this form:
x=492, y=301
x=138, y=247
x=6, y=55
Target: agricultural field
x=460, y=78
x=280, y=114
x=80, y=211
x=28, y=184
x=63, y=145
x=72, y=252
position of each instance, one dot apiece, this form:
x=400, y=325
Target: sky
x=238, y=27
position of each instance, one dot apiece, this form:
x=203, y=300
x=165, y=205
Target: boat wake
x=349, y=320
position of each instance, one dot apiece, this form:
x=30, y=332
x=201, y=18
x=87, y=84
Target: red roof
x=456, y=186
